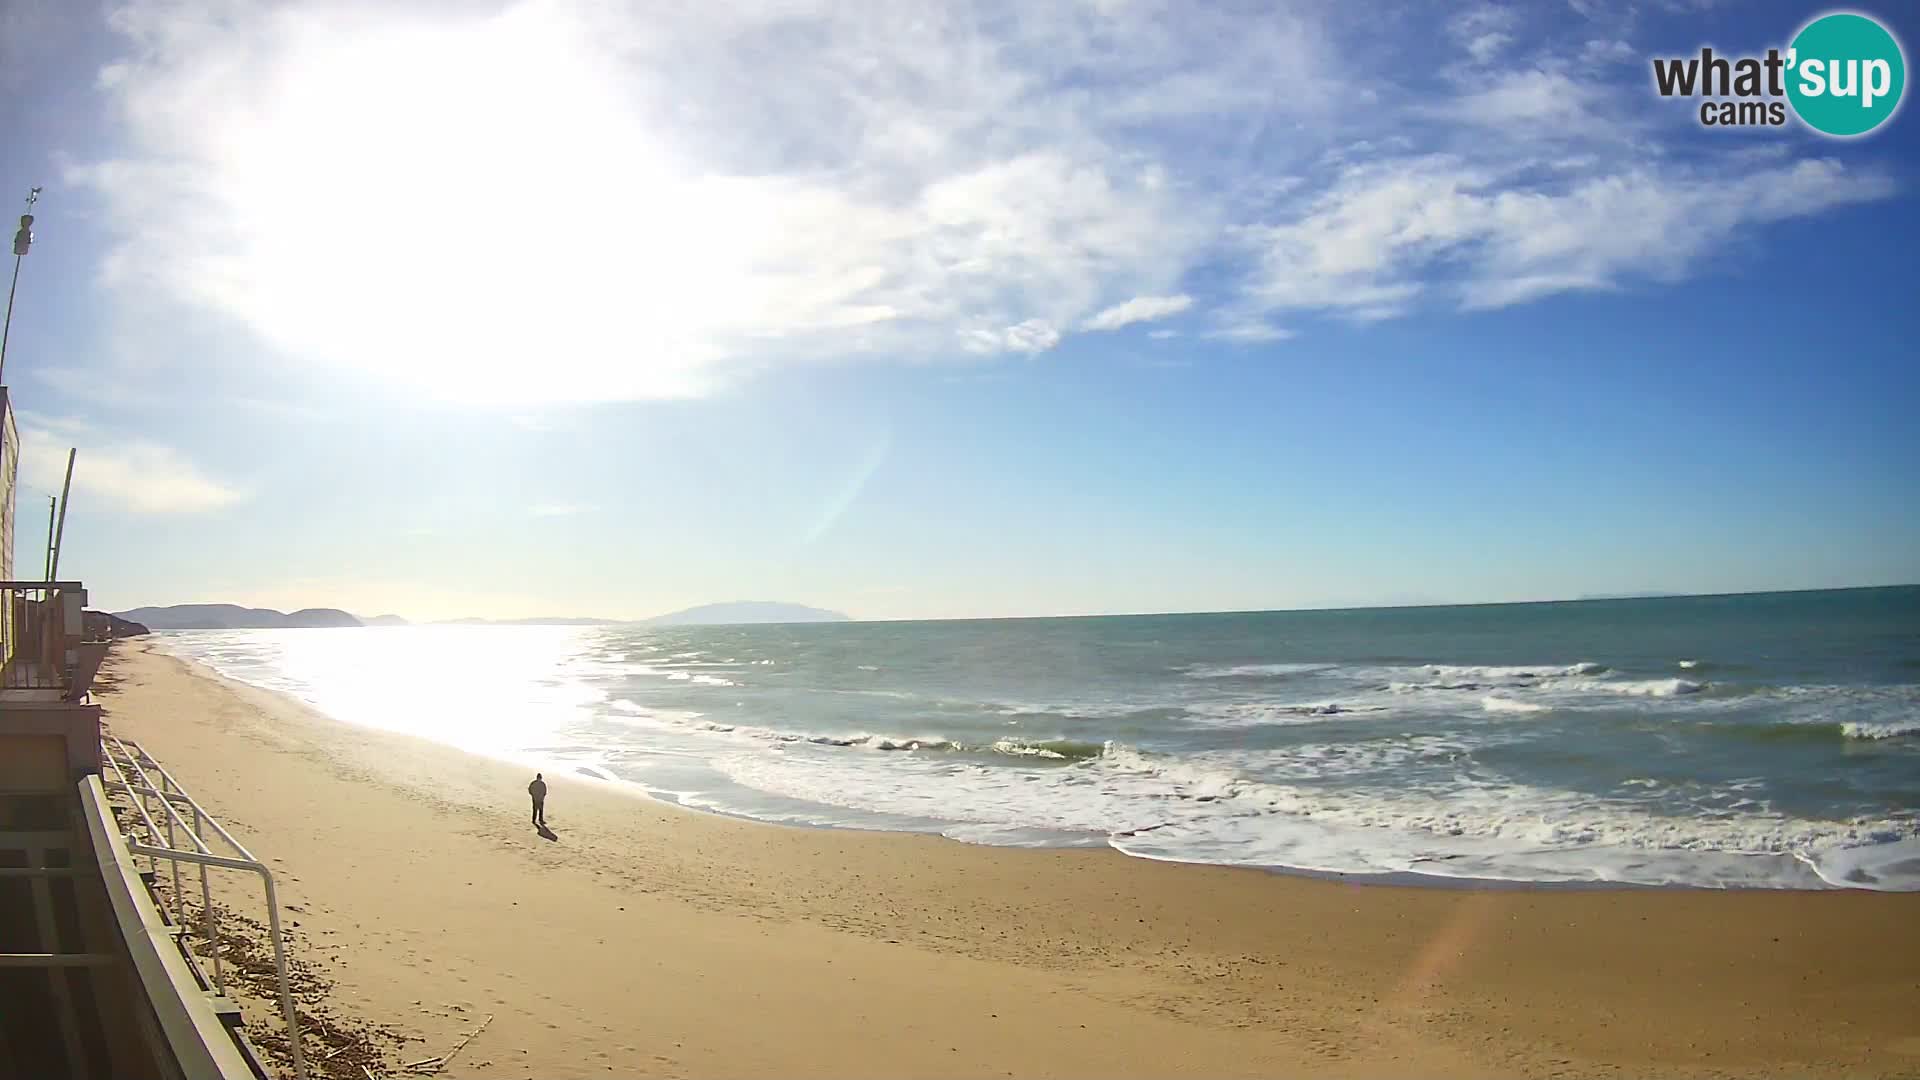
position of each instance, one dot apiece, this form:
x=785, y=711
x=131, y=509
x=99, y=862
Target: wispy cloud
x=1248, y=331
x=1483, y=30
x=1368, y=247
x=614, y=197
x=130, y=475
x=1138, y=310
x=1032, y=336
x=611, y=198
x=1609, y=51
x=1540, y=102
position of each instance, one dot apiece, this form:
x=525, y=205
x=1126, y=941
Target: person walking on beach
x=538, y=789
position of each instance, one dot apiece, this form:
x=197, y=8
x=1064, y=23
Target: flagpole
x=21, y=241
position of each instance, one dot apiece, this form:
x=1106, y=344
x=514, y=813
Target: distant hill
x=747, y=611
x=321, y=616
x=233, y=617
x=101, y=626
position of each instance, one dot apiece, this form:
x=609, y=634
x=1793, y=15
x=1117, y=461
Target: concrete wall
x=33, y=763
x=74, y=728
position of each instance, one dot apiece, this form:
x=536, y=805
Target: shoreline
x=868, y=947
x=1402, y=877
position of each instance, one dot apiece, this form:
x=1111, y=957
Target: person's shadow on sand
x=546, y=833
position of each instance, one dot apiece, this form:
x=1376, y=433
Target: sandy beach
x=647, y=940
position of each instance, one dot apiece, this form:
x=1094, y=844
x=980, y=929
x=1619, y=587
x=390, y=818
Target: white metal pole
x=46, y=563
x=60, y=533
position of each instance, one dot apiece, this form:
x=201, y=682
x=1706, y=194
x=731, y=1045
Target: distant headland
x=235, y=617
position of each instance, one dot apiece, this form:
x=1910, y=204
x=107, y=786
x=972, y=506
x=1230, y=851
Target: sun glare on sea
x=489, y=689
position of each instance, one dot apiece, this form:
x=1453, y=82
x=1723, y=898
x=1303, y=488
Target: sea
x=1750, y=741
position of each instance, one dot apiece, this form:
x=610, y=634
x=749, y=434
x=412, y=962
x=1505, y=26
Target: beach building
x=101, y=859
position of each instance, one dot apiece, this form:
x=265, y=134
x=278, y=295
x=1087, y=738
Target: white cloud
x=1162, y=335
x=1032, y=336
x=1244, y=330
x=547, y=510
x=1487, y=46
x=1534, y=103
x=557, y=201
x=131, y=475
x=1483, y=31
x=1367, y=248
x=1138, y=310
x=613, y=199
x=1609, y=51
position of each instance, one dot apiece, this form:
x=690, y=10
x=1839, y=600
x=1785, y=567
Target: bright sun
x=480, y=208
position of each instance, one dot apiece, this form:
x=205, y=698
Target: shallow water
x=1769, y=740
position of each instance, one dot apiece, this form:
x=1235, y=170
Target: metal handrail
x=146, y=788
x=187, y=1027
x=168, y=792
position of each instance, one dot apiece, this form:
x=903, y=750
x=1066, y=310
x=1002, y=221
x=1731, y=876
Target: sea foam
x=1889, y=729
x=1509, y=705
x=1577, y=770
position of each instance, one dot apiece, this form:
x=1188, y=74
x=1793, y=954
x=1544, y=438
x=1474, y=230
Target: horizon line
x=1606, y=599
x=629, y=621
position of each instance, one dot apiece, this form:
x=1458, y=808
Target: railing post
x=179, y=909
x=206, y=915
x=280, y=964
x=146, y=830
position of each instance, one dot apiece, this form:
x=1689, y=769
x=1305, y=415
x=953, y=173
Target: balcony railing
x=162, y=822
x=43, y=645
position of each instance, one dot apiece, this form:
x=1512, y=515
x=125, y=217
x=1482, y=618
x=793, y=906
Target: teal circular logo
x=1845, y=74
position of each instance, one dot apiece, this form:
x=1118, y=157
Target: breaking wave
x=1508, y=705
x=1892, y=729
x=1257, y=671
x=1168, y=741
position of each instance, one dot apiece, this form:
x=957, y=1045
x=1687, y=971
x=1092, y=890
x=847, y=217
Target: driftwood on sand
x=432, y=1065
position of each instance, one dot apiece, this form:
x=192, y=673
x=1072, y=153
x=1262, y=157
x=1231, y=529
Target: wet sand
x=647, y=940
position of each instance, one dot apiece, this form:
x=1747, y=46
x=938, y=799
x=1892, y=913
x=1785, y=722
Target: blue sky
x=947, y=310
